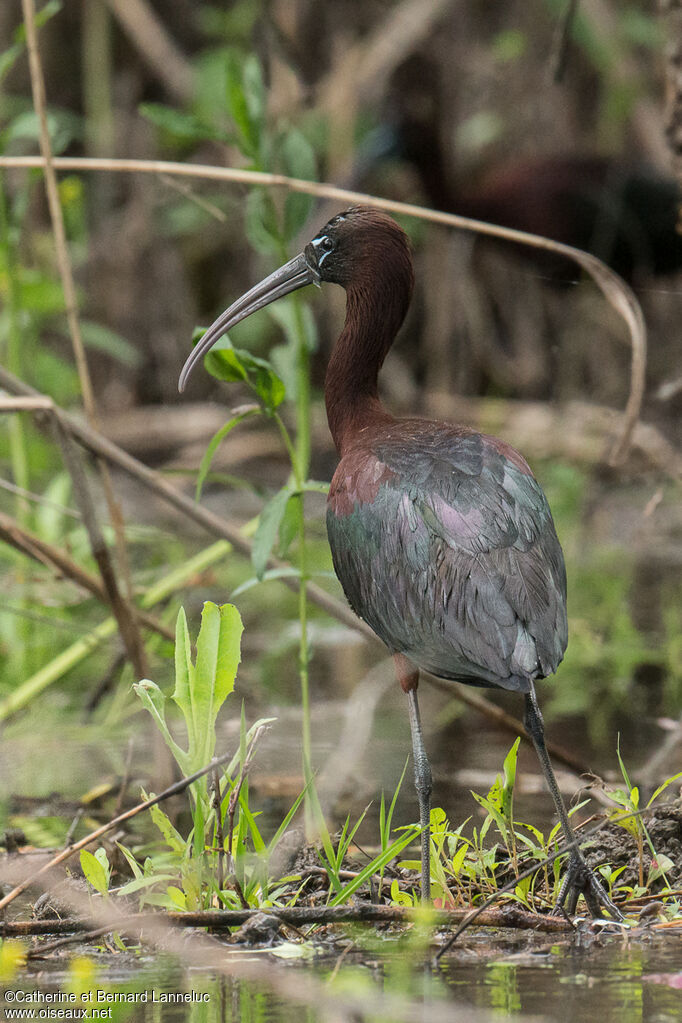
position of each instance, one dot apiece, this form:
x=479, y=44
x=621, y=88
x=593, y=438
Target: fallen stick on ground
x=224, y=919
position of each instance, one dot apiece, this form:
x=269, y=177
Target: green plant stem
x=303, y=654
x=18, y=455
x=300, y=464
x=17, y=437
x=303, y=465
x=288, y=444
x=78, y=651
x=303, y=443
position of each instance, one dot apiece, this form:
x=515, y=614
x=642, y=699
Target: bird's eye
x=326, y=244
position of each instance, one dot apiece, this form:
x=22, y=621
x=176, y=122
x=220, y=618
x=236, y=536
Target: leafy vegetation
x=225, y=860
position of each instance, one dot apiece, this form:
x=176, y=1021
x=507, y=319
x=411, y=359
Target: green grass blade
x=375, y=866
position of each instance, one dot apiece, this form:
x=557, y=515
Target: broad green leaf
x=268, y=526
x=63, y=127
x=263, y=379
x=458, y=859
x=178, y=123
x=254, y=90
x=660, y=865
x=40, y=294
x=218, y=656
x=184, y=677
x=236, y=364
x=509, y=770
x=245, y=102
x=629, y=824
x=95, y=873
x=103, y=339
x=177, y=897
x=289, y=526
x=437, y=819
x=223, y=363
x=9, y=57
x=398, y=897
x=214, y=444
x=298, y=160
x=154, y=701
x=172, y=837
x=147, y=881
x=260, y=222
x=288, y=572
x=293, y=315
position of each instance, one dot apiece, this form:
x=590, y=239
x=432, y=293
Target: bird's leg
x=408, y=676
x=579, y=878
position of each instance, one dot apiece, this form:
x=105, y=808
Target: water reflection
x=491, y=976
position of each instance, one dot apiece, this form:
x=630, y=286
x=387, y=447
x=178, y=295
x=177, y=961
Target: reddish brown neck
x=373, y=317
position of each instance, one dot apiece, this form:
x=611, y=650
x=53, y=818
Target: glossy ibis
x=441, y=537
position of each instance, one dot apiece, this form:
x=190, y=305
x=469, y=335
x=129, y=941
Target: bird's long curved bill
x=293, y=275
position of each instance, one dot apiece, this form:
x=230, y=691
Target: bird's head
x=361, y=247
x=358, y=243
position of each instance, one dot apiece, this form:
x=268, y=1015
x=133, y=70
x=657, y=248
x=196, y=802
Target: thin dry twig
x=65, y=854
x=618, y=294
x=232, y=808
x=122, y=608
x=52, y=557
x=56, y=215
x=219, y=836
x=507, y=721
x=29, y=495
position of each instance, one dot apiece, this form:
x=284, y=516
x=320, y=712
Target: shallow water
x=491, y=976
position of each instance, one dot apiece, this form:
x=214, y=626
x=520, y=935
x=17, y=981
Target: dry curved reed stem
x=121, y=603
x=618, y=294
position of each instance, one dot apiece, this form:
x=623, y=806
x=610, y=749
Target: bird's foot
x=581, y=880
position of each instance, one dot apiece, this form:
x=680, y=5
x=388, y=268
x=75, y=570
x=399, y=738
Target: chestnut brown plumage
x=441, y=537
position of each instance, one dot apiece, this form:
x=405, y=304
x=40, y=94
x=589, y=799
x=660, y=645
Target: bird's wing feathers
x=447, y=549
